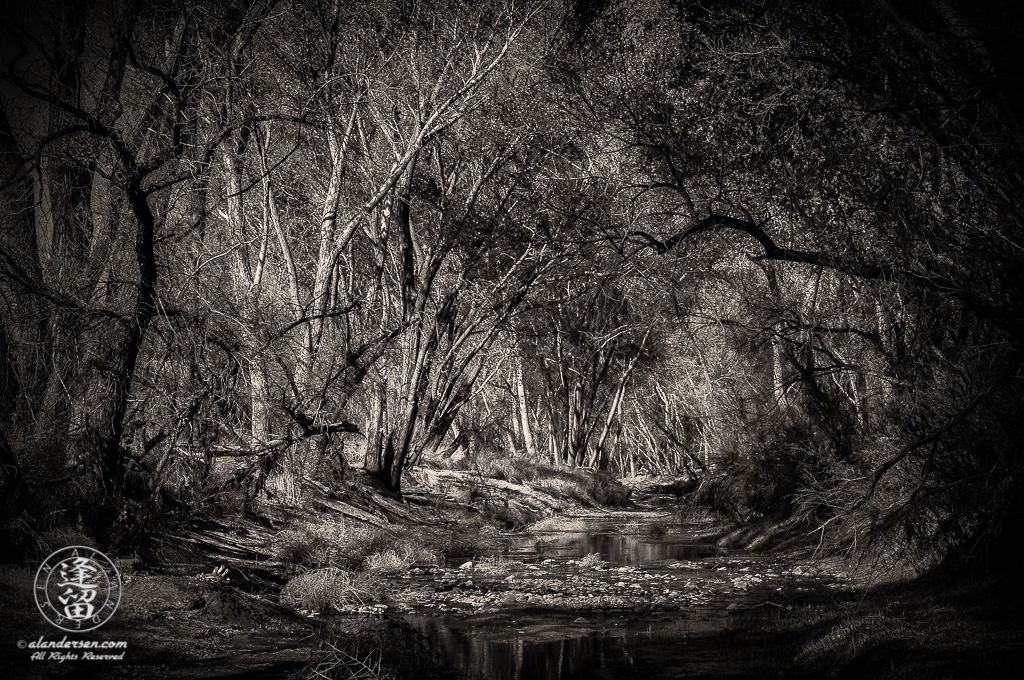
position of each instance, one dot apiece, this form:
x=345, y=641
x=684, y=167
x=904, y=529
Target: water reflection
x=616, y=548
x=680, y=649
x=521, y=644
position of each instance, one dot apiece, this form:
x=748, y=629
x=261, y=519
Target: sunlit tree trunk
x=522, y=407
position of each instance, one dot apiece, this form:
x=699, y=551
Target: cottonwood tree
x=452, y=227
x=304, y=214
x=583, y=347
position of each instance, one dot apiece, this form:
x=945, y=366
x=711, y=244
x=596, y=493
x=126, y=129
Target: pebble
x=564, y=585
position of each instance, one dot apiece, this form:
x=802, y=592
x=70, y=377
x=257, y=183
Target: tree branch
x=772, y=251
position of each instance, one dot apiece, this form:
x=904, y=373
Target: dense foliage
x=773, y=248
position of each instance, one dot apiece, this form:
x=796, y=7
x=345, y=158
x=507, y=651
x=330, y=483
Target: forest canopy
x=773, y=248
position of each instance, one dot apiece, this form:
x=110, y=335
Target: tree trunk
x=522, y=408
x=372, y=461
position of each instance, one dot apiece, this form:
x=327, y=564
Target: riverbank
x=220, y=623
x=435, y=581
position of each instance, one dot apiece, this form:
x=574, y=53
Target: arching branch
x=845, y=265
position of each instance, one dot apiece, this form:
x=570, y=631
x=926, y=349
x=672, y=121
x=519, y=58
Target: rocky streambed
x=579, y=614
x=569, y=585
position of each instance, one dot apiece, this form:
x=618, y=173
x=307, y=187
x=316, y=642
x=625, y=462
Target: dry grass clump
x=507, y=469
x=314, y=545
x=337, y=544
x=366, y=541
x=591, y=561
x=570, y=487
x=516, y=470
x=589, y=488
x=331, y=587
x=389, y=562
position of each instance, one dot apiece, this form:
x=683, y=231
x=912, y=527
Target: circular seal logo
x=77, y=588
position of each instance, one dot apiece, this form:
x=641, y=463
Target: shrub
x=352, y=546
x=760, y=481
x=61, y=537
x=770, y=480
x=511, y=515
x=719, y=494
x=656, y=529
x=592, y=561
x=331, y=587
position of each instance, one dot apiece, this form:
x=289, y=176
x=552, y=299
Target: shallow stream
x=663, y=604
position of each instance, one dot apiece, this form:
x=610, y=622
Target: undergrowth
x=350, y=545
x=389, y=562
x=459, y=533
x=332, y=587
